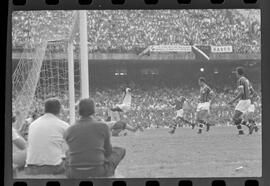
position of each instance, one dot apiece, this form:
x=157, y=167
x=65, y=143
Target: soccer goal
x=53, y=68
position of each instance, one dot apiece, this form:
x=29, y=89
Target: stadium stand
x=118, y=31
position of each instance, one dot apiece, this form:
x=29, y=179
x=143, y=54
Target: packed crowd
x=134, y=30
x=152, y=106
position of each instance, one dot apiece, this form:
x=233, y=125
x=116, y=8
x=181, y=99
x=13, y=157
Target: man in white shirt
x=46, y=145
x=19, y=149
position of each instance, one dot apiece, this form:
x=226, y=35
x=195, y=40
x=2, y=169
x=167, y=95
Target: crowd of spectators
x=134, y=30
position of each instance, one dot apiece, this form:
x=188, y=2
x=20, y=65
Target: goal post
x=58, y=69
x=71, y=83
x=84, y=54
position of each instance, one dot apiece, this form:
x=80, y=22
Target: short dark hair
x=240, y=71
x=86, y=107
x=53, y=106
x=202, y=79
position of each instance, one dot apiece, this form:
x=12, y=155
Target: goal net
x=43, y=72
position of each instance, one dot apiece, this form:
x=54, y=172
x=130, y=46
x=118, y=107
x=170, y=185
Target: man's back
x=89, y=142
x=46, y=145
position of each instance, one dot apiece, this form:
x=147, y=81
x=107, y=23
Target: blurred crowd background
x=132, y=31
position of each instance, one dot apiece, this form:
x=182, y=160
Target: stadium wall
x=166, y=70
x=170, y=73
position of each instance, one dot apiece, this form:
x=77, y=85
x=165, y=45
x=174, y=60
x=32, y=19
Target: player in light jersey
x=203, y=108
x=181, y=106
x=244, y=96
x=126, y=104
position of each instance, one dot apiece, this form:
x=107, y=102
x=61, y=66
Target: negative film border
x=139, y=4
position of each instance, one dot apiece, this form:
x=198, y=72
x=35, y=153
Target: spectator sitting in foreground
x=90, y=151
x=19, y=148
x=46, y=145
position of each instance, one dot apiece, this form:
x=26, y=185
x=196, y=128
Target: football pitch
x=217, y=153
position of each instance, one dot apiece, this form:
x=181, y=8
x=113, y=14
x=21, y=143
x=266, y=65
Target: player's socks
x=200, y=126
x=249, y=125
x=240, y=130
x=200, y=129
x=207, y=127
x=252, y=126
x=256, y=128
x=237, y=122
x=206, y=124
x=173, y=129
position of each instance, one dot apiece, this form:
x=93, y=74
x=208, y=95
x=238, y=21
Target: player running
x=244, y=106
x=203, y=108
x=180, y=105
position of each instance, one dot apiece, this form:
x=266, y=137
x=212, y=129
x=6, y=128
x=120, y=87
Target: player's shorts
x=243, y=106
x=203, y=106
x=180, y=113
x=251, y=108
x=124, y=107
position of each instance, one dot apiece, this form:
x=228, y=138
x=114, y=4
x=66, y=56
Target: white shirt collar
x=50, y=115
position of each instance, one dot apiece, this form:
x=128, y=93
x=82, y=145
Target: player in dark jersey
x=244, y=95
x=180, y=106
x=116, y=125
x=203, y=108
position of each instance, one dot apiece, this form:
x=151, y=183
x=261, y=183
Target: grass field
x=217, y=153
